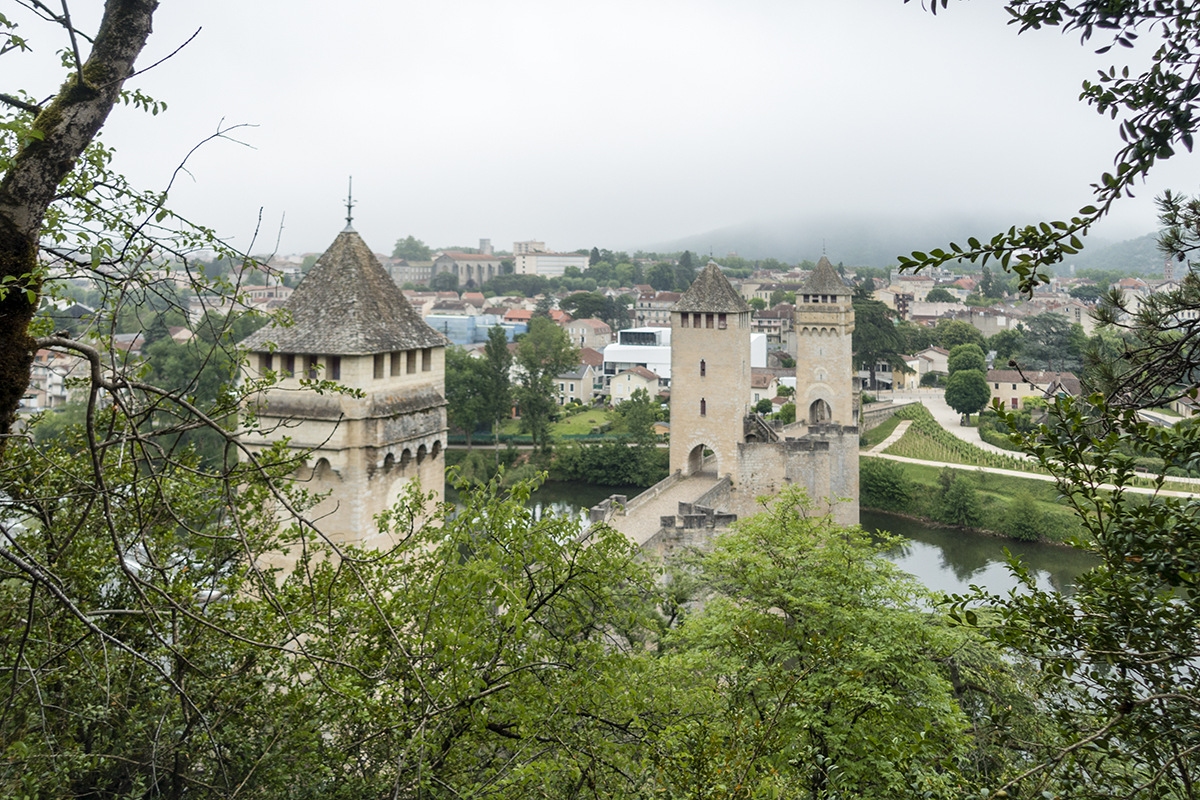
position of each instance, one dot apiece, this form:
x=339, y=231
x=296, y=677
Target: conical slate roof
x=347, y=305
x=824, y=280
x=711, y=292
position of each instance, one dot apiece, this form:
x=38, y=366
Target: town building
x=549, y=265
x=351, y=324
x=471, y=269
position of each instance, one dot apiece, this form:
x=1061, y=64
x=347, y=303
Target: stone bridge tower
x=710, y=374
x=353, y=326
x=824, y=353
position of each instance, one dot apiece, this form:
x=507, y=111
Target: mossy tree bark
x=61, y=132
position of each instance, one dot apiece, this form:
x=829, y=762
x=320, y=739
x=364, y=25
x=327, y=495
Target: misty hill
x=876, y=241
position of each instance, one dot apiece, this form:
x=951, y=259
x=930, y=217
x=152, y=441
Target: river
x=943, y=559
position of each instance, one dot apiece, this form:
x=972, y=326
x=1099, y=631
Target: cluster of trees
x=479, y=392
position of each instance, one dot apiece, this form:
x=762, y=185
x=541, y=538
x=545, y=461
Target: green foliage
x=787, y=413
x=468, y=404
x=1022, y=520
x=814, y=672
x=764, y=406
x=875, y=338
x=967, y=391
x=1119, y=654
x=939, y=295
x=612, y=463
x=950, y=333
x=411, y=248
x=882, y=484
x=959, y=503
x=444, y=282
x=966, y=356
x=544, y=353
x=1008, y=344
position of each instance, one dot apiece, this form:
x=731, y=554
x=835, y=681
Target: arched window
x=703, y=368
x=703, y=407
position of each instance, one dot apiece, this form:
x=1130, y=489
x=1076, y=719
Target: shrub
x=884, y=485
x=1023, y=520
x=959, y=505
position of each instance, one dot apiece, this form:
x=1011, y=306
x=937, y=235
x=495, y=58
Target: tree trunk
x=66, y=127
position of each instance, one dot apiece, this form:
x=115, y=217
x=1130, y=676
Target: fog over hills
x=875, y=241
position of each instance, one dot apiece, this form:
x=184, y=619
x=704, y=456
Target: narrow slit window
x=289, y=365
x=264, y=362
x=703, y=407
x=412, y=361
x=722, y=321
x=310, y=367
x=335, y=368
x=379, y=359
x=703, y=368
x=683, y=320
x=427, y=359
x=708, y=320
x=397, y=363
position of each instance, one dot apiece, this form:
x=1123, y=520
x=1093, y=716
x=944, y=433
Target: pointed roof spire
x=347, y=305
x=825, y=280
x=711, y=291
x=350, y=204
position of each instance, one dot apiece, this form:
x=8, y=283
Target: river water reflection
x=948, y=560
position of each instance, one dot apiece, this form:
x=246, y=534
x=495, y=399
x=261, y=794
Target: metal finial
x=350, y=204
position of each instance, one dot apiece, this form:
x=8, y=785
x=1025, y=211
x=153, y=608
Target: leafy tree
x=815, y=672
x=1086, y=294
x=594, y=257
x=662, y=277
x=966, y=356
x=1048, y=340
x=498, y=394
x=764, y=406
x=411, y=249
x=875, y=339
x=544, y=353
x=466, y=391
x=939, y=295
x=967, y=391
x=584, y=306
x=639, y=414
x=950, y=333
x=787, y=413
x=1119, y=652
x=916, y=337
x=959, y=502
x=685, y=271
x=884, y=485
x=543, y=306
x=1008, y=344
x=444, y=282
x=757, y=303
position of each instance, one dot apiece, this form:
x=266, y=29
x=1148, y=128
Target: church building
x=352, y=325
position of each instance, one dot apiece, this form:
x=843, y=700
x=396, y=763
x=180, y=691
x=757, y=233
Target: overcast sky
x=618, y=124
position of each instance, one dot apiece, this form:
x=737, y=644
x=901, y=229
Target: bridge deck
x=644, y=522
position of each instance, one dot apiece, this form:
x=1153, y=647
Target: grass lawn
x=995, y=493
x=571, y=426
x=880, y=432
